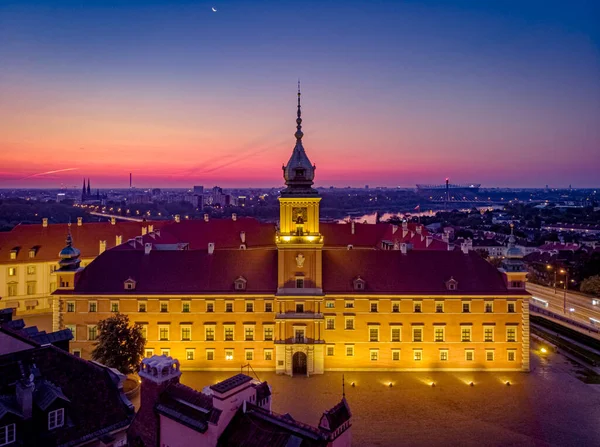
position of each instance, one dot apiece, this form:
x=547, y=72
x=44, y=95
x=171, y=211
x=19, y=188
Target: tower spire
x=299, y=133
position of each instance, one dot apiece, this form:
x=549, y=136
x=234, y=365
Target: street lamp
x=549, y=267
x=566, y=273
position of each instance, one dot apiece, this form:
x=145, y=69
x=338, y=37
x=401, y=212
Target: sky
x=497, y=92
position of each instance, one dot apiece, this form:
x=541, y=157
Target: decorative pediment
x=129, y=284
x=359, y=283
x=452, y=284
x=240, y=283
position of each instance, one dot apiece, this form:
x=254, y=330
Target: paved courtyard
x=548, y=407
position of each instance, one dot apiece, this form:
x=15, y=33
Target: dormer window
x=451, y=284
x=56, y=419
x=130, y=284
x=8, y=434
x=240, y=283
x=359, y=284
x=299, y=282
x=32, y=252
x=13, y=253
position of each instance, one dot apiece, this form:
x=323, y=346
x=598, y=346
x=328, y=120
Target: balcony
x=307, y=315
x=299, y=341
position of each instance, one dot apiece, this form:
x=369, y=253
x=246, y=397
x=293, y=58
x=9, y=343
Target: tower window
x=299, y=283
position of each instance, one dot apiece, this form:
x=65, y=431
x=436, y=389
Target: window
x=465, y=333
x=164, y=306
x=395, y=355
x=92, y=332
x=373, y=333
x=31, y=288
x=395, y=307
x=489, y=307
x=417, y=334
x=70, y=306
x=165, y=351
x=240, y=283
x=299, y=335
x=229, y=306
x=249, y=333
x=443, y=355
x=163, y=333
x=329, y=304
x=268, y=354
x=396, y=334
x=438, y=333
x=268, y=306
x=374, y=354
x=228, y=354
x=330, y=351
x=268, y=332
x=31, y=269
x=186, y=333
x=417, y=355
x=489, y=355
x=511, y=334
x=32, y=252
x=210, y=306
x=348, y=304
x=190, y=354
x=511, y=355
x=114, y=306
x=12, y=271
x=229, y=333
x=488, y=333
x=73, y=329
x=210, y=354
x=299, y=308
x=93, y=306
x=56, y=418
x=439, y=307
x=249, y=355
x=249, y=306
x=299, y=283
x=209, y=333
x=349, y=350
x=142, y=306
x=76, y=353
x=149, y=353
x=329, y=323
x=469, y=355
x=466, y=307
x=417, y=306
x=511, y=308
x=185, y=307
x=374, y=307
x=12, y=289
x=349, y=323
x=144, y=328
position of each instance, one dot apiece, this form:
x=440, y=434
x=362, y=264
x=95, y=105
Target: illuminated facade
x=306, y=298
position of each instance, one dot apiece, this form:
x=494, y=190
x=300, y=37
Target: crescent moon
x=214, y=9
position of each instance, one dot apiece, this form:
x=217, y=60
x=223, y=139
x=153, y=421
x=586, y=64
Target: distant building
x=61, y=197
x=87, y=196
x=234, y=412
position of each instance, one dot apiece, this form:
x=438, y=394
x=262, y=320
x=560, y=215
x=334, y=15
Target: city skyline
x=394, y=93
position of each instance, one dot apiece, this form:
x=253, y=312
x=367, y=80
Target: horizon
x=393, y=93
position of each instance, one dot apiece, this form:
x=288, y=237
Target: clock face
x=299, y=214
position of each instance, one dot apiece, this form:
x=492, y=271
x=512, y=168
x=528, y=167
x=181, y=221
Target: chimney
x=144, y=231
x=446, y=237
x=211, y=248
x=147, y=248
x=394, y=229
x=45, y=222
x=113, y=220
x=156, y=374
x=404, y=225
x=428, y=240
x=79, y=221
x=118, y=239
x=450, y=247
x=465, y=248
x=206, y=218
x=150, y=228
x=24, y=392
x=177, y=218
x=350, y=247
x=353, y=229
x=419, y=229
x=234, y=217
x=404, y=248
x=243, y=237
x=102, y=247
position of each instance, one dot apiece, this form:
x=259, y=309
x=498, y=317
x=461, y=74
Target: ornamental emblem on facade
x=300, y=260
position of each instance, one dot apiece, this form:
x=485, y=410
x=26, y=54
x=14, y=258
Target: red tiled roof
x=416, y=272
x=48, y=241
x=193, y=271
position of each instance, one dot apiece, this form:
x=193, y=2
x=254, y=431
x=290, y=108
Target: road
x=579, y=307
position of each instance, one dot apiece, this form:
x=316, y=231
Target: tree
x=591, y=285
x=120, y=345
